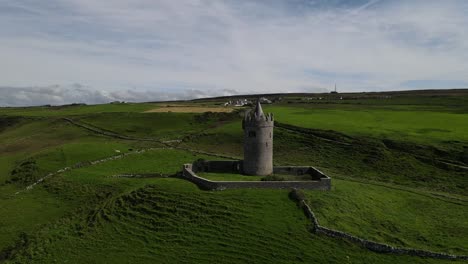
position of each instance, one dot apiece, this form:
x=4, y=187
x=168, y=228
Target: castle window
x=252, y=134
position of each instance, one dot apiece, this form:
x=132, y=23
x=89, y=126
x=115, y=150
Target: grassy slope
x=153, y=125
x=76, y=109
x=54, y=143
x=429, y=127
x=360, y=157
x=171, y=221
x=398, y=217
x=81, y=209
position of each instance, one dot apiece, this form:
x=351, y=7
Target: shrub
x=297, y=195
x=25, y=173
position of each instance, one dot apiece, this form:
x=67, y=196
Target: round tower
x=258, y=142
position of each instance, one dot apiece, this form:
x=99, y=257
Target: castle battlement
x=257, y=118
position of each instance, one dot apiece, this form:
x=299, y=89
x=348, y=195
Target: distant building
x=264, y=100
x=237, y=103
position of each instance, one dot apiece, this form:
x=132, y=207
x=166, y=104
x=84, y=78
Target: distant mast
x=335, y=91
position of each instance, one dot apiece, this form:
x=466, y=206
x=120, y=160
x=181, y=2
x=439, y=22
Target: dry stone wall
x=189, y=174
x=371, y=245
x=85, y=164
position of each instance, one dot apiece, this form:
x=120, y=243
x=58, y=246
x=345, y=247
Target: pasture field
x=171, y=221
x=190, y=109
x=404, y=218
x=398, y=168
x=434, y=126
x=67, y=110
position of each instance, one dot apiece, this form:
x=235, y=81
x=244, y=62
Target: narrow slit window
x=252, y=134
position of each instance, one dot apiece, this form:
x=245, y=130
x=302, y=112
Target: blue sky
x=132, y=49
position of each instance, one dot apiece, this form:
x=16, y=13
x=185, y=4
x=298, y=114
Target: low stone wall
x=300, y=170
x=187, y=173
x=235, y=166
x=85, y=164
x=140, y=175
x=371, y=245
x=231, y=166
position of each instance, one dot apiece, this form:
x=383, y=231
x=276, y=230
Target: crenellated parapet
x=258, y=121
x=256, y=118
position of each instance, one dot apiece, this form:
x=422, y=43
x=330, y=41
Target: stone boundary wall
x=187, y=173
x=107, y=133
x=300, y=170
x=85, y=164
x=236, y=166
x=167, y=143
x=232, y=166
x=140, y=175
x=371, y=245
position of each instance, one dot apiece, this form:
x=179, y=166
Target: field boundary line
x=167, y=143
x=368, y=244
x=430, y=194
x=113, y=134
x=85, y=164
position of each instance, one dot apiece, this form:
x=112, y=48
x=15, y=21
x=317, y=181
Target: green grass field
x=399, y=217
x=424, y=126
x=398, y=169
x=228, y=177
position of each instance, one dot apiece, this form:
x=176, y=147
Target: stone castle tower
x=258, y=142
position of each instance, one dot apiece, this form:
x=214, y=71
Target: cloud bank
x=167, y=47
x=76, y=93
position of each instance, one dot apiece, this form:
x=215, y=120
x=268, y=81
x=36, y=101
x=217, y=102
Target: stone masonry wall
x=300, y=170
x=187, y=172
x=232, y=166
x=371, y=245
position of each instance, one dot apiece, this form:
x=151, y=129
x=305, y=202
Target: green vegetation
x=399, y=169
x=171, y=221
x=424, y=126
x=402, y=218
x=78, y=109
x=339, y=155
x=228, y=176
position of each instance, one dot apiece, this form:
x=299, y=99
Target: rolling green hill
x=399, y=169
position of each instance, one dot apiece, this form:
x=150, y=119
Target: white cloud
x=243, y=46
x=77, y=93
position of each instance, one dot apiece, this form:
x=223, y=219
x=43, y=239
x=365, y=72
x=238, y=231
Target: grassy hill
x=399, y=168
